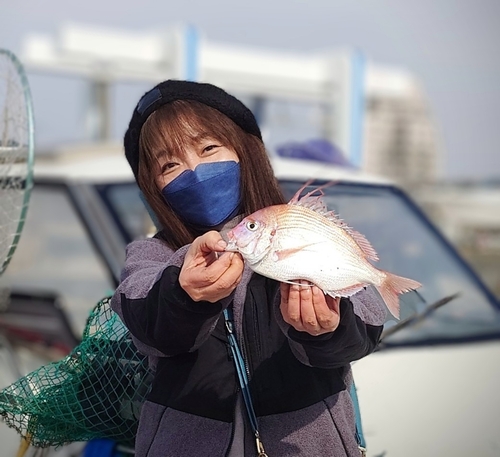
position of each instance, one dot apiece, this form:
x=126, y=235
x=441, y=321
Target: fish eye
x=252, y=225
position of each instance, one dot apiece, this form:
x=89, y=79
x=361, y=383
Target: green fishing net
x=95, y=392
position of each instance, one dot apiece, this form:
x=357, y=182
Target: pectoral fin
x=285, y=253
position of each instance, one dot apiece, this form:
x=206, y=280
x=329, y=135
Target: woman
x=198, y=158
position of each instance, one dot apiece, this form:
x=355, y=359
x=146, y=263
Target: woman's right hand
x=207, y=275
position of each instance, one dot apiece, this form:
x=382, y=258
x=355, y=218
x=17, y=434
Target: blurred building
x=378, y=116
x=400, y=135
x=468, y=213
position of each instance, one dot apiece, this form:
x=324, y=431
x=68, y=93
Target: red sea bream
x=303, y=240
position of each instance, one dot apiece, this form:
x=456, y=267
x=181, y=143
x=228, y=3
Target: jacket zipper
x=245, y=356
x=246, y=338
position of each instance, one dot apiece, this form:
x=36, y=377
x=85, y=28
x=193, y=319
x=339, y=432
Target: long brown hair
x=169, y=129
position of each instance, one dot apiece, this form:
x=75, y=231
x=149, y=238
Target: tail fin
x=392, y=286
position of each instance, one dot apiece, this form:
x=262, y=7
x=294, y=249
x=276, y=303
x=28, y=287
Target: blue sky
x=450, y=45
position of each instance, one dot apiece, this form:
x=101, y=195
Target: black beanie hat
x=171, y=90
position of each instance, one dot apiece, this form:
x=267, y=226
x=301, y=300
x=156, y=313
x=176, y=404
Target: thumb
x=211, y=241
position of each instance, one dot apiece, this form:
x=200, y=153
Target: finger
x=197, y=273
x=284, y=294
x=202, y=250
x=212, y=272
x=211, y=241
x=211, y=284
x=215, y=292
x=225, y=284
x=233, y=271
x=326, y=317
x=290, y=305
x=307, y=311
x=284, y=291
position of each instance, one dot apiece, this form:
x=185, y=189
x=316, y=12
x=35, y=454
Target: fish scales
x=315, y=227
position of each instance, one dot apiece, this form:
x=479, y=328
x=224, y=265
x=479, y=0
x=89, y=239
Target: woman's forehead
x=191, y=131
x=177, y=146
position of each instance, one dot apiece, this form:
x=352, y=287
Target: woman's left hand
x=307, y=309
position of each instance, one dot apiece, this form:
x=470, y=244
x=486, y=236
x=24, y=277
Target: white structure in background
x=400, y=141
x=376, y=116
x=468, y=214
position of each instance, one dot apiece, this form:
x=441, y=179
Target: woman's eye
x=252, y=225
x=210, y=147
x=168, y=166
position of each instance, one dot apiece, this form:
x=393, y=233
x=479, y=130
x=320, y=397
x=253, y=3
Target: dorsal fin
x=295, y=198
x=317, y=204
x=360, y=239
x=363, y=243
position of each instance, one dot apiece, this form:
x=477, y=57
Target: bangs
x=177, y=125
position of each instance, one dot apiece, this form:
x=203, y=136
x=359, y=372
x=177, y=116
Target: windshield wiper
x=416, y=318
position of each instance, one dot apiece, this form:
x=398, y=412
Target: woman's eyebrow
x=165, y=153
x=201, y=137
x=160, y=152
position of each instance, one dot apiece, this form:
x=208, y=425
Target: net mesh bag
x=95, y=392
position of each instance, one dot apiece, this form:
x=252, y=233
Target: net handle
x=5, y=53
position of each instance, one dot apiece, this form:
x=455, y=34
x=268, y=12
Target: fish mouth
x=231, y=246
x=231, y=243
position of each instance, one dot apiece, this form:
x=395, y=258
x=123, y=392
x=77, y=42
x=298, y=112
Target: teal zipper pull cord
x=239, y=363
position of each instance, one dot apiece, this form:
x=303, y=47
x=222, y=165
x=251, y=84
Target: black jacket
x=195, y=374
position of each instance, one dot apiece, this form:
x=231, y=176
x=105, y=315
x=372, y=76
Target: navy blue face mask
x=207, y=195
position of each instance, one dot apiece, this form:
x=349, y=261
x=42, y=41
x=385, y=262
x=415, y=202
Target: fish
x=304, y=240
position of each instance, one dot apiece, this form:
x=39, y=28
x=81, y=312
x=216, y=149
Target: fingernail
x=221, y=243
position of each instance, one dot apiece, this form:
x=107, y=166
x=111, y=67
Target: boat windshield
x=408, y=245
